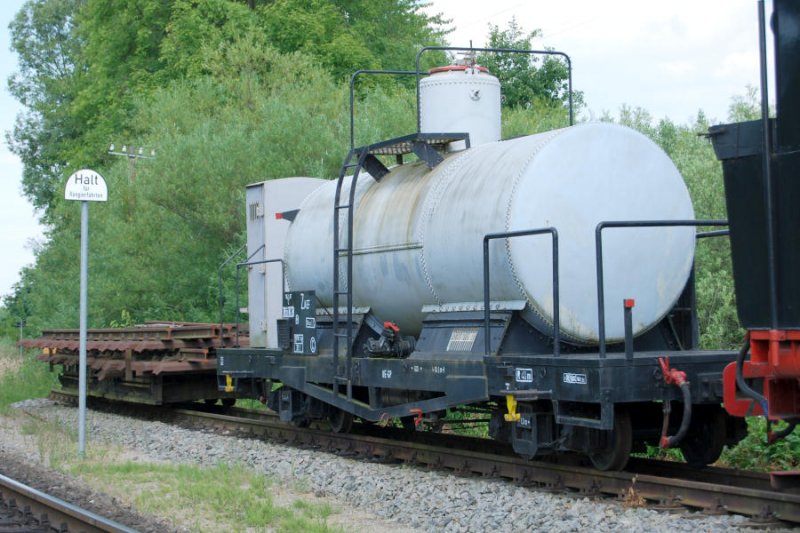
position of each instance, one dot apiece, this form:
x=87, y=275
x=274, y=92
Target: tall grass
x=22, y=376
x=223, y=497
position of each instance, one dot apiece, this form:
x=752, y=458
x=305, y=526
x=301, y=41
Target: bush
x=22, y=376
x=753, y=453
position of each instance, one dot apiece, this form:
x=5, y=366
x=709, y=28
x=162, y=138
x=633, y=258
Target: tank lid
x=456, y=68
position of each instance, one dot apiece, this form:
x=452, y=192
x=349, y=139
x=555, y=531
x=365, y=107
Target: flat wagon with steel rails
x=156, y=363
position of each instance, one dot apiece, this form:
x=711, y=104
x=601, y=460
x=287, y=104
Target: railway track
x=25, y=509
x=645, y=482
x=657, y=484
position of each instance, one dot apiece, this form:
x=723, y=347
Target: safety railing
x=353, y=78
x=248, y=263
x=601, y=314
x=221, y=296
x=486, y=277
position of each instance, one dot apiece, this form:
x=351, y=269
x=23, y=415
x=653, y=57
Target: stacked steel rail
x=155, y=363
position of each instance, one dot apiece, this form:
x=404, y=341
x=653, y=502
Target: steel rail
x=36, y=510
x=674, y=484
x=710, y=489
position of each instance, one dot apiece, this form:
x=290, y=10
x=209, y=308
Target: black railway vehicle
x=355, y=346
x=761, y=166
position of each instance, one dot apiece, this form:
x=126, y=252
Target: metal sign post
x=86, y=186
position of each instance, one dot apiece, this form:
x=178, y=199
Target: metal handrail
x=352, y=93
x=498, y=51
x=601, y=313
x=219, y=277
x=239, y=266
x=508, y=235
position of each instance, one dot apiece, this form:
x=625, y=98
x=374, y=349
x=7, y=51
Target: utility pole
x=20, y=325
x=132, y=153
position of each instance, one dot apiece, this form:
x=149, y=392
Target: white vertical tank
x=461, y=98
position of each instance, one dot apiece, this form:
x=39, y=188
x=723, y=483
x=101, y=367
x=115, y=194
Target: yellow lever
x=512, y=415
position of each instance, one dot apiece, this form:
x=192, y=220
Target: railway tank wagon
x=546, y=279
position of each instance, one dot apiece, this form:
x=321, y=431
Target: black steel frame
x=355, y=75
x=239, y=266
x=486, y=299
x=768, y=181
x=601, y=314
x=221, y=298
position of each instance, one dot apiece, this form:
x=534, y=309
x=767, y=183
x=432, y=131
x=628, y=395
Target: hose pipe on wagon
x=742, y=384
x=676, y=377
x=774, y=436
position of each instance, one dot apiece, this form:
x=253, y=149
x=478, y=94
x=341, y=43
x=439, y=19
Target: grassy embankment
x=221, y=498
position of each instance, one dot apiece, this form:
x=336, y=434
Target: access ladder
x=426, y=146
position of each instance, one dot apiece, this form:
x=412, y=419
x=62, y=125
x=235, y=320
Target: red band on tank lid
x=456, y=68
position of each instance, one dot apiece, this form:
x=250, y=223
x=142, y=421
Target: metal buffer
x=427, y=147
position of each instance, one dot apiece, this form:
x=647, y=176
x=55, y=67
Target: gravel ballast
x=410, y=498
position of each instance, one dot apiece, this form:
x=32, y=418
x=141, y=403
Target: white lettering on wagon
x=575, y=379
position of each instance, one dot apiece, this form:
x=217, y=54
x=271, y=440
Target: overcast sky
x=670, y=58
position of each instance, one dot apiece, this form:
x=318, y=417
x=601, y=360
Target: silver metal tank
x=419, y=232
x=463, y=99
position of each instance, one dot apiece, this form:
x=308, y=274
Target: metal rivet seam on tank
x=429, y=207
x=545, y=140
x=432, y=199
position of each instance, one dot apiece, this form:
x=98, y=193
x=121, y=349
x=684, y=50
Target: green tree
x=527, y=80
x=44, y=36
x=16, y=305
x=84, y=62
x=159, y=240
x=347, y=35
x=81, y=63
x=197, y=25
x=745, y=106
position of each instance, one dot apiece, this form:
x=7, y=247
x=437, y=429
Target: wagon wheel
x=341, y=421
x=408, y=423
x=300, y=422
x=615, y=455
x=705, y=439
x=228, y=402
